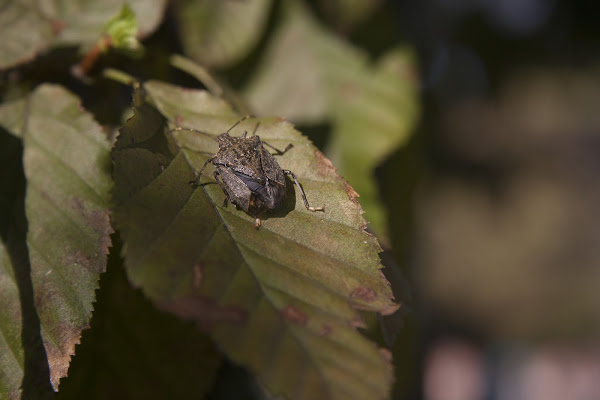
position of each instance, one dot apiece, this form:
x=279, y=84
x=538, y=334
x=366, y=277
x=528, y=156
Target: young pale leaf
x=372, y=108
x=220, y=33
x=122, y=30
x=282, y=300
x=27, y=27
x=66, y=161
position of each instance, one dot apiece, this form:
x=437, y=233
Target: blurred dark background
x=501, y=240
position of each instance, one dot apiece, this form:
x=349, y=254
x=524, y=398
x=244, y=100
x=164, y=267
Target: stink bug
x=248, y=173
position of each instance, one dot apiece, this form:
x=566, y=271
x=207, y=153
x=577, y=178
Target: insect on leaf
x=282, y=300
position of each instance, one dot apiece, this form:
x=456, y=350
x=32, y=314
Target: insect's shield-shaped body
x=250, y=175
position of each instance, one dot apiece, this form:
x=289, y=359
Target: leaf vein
x=68, y=167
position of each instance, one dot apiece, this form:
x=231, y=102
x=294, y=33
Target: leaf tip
x=57, y=26
x=326, y=330
x=390, y=309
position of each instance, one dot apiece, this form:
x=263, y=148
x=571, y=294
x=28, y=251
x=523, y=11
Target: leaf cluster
x=118, y=279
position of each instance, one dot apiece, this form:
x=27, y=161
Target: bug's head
x=224, y=139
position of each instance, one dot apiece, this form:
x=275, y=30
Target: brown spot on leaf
x=364, y=293
x=178, y=120
x=197, y=275
x=349, y=91
x=324, y=165
x=294, y=315
x=98, y=220
x=203, y=310
x=80, y=259
x=326, y=330
x=58, y=26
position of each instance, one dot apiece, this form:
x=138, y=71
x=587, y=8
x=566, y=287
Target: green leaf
x=85, y=20
x=28, y=27
x=221, y=33
x=372, y=108
x=282, y=300
x=23, y=32
x=65, y=160
x=12, y=116
x=122, y=30
x=302, y=70
x=345, y=14
x=374, y=115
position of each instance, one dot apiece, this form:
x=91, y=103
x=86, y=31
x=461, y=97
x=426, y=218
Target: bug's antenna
x=256, y=128
x=237, y=123
x=179, y=128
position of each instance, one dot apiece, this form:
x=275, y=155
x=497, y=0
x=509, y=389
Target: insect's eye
x=228, y=164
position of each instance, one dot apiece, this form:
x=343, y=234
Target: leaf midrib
x=259, y=284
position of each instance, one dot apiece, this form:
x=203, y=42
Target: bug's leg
x=279, y=152
x=308, y=207
x=196, y=182
x=222, y=186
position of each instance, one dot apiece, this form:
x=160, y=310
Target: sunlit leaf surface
x=281, y=300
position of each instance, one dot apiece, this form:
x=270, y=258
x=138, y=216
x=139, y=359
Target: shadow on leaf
x=13, y=232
